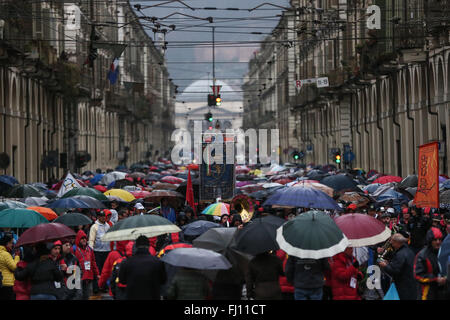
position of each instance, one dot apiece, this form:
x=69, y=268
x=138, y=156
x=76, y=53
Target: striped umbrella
x=217, y=209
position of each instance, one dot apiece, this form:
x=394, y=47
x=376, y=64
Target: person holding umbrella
x=307, y=276
x=262, y=278
x=7, y=267
x=44, y=274
x=167, y=211
x=188, y=284
x=345, y=276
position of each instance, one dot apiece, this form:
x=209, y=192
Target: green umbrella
x=133, y=227
x=311, y=235
x=23, y=191
x=20, y=218
x=94, y=193
x=11, y=204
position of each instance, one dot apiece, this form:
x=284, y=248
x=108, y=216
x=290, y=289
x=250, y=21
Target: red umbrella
x=362, y=230
x=153, y=168
x=388, y=179
x=140, y=194
x=283, y=181
x=45, y=232
x=172, y=180
x=100, y=188
x=242, y=169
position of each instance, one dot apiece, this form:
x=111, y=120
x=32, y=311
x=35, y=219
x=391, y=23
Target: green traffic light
x=296, y=157
x=210, y=119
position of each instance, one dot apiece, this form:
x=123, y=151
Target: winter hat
x=427, y=210
x=42, y=249
x=390, y=210
x=142, y=241
x=433, y=234
x=405, y=210
x=352, y=206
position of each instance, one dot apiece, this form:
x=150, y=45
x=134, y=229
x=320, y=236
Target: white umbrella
x=112, y=176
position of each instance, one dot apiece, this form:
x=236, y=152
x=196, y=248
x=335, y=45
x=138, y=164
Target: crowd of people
x=133, y=270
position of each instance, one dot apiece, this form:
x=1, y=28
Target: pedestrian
x=22, y=288
x=351, y=208
x=101, y=248
x=420, y=224
x=167, y=211
x=307, y=276
x=86, y=256
x=225, y=221
x=287, y=289
x=345, y=276
x=8, y=265
x=426, y=268
x=400, y=268
x=143, y=274
x=55, y=251
x=70, y=266
x=114, y=214
x=371, y=211
x=113, y=259
x=140, y=209
x=188, y=284
x=123, y=214
x=262, y=278
x=44, y=275
x=236, y=220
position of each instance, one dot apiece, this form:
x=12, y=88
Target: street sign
x=349, y=156
x=322, y=82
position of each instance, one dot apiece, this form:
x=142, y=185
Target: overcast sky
x=188, y=60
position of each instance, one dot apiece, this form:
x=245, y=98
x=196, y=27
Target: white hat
x=139, y=206
x=391, y=210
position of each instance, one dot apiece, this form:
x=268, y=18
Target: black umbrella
x=340, y=183
x=259, y=235
x=410, y=181
x=198, y=227
x=316, y=175
x=244, y=177
x=73, y=219
x=23, y=191
x=260, y=195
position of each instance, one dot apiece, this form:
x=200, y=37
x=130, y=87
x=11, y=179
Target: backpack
x=115, y=273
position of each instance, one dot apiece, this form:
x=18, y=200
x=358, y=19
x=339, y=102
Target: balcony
x=409, y=36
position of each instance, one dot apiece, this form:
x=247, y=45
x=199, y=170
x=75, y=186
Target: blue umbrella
x=303, y=197
x=198, y=227
x=371, y=188
x=9, y=180
x=445, y=184
x=443, y=256
x=69, y=203
x=96, y=178
x=391, y=194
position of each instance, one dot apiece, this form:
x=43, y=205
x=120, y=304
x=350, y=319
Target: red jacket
x=22, y=288
x=284, y=284
x=113, y=256
x=342, y=271
x=83, y=255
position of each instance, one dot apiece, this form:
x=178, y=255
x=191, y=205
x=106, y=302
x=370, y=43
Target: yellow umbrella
x=123, y=194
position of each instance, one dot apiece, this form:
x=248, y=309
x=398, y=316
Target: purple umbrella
x=442, y=179
x=243, y=183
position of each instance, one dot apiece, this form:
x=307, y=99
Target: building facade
x=58, y=108
x=389, y=88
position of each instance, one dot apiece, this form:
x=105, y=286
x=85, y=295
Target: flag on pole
x=68, y=184
x=427, y=194
x=114, y=71
x=190, y=193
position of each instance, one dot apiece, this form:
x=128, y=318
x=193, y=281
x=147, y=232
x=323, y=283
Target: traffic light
x=337, y=158
x=211, y=100
x=296, y=155
x=82, y=158
x=209, y=117
x=218, y=100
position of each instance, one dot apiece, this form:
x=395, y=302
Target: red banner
x=427, y=194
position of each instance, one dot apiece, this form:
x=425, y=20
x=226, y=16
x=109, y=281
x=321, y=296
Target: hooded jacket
x=113, y=256
x=84, y=255
x=7, y=266
x=426, y=268
x=22, y=288
x=342, y=272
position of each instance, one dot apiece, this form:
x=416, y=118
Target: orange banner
x=427, y=194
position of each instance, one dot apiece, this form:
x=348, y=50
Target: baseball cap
x=139, y=206
x=390, y=210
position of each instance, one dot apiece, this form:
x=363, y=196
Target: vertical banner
x=427, y=194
